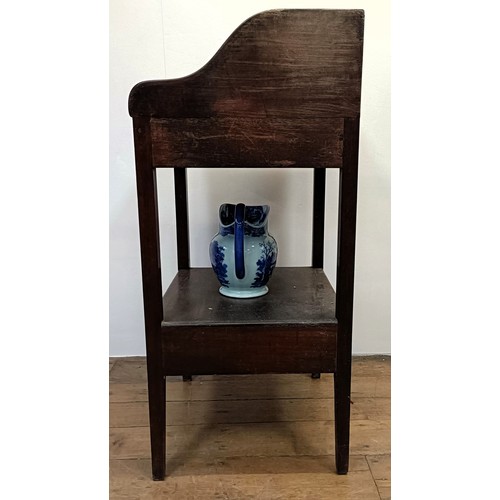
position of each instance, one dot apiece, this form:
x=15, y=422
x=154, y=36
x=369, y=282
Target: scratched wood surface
x=243, y=142
x=300, y=295
x=295, y=63
x=250, y=436
x=275, y=95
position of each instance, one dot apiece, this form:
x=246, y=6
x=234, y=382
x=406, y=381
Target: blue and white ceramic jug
x=243, y=254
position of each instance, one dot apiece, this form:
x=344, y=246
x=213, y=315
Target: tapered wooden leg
x=342, y=403
x=157, y=426
x=152, y=290
x=348, y=181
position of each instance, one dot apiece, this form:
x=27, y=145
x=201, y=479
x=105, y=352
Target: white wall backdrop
x=154, y=39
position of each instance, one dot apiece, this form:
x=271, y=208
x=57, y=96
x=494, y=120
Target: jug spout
x=255, y=217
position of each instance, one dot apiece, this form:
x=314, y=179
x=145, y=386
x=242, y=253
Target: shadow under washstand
x=250, y=424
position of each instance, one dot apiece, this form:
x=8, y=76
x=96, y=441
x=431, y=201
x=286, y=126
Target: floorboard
x=250, y=436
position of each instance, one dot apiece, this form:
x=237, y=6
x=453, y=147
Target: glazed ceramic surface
x=243, y=254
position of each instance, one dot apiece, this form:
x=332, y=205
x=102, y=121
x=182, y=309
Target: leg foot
x=187, y=378
x=342, y=422
x=157, y=426
x=315, y=375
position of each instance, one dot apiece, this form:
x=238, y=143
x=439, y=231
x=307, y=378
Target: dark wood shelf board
x=297, y=296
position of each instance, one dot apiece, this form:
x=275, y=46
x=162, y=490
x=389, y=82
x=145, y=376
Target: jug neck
x=252, y=219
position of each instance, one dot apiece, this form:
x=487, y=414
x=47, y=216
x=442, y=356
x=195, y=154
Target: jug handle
x=239, y=236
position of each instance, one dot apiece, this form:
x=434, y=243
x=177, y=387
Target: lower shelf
x=292, y=329
x=297, y=295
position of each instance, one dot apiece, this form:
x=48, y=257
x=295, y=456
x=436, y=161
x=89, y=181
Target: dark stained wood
x=181, y=218
x=318, y=217
x=243, y=142
x=345, y=291
x=278, y=64
x=151, y=285
x=297, y=295
x=234, y=336
x=243, y=349
x=284, y=90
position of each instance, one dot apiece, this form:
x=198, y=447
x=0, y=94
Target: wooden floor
x=251, y=436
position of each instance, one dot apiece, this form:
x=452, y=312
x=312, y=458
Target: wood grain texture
x=135, y=414
x=131, y=370
x=244, y=142
x=371, y=379
x=241, y=349
x=151, y=286
x=369, y=437
x=380, y=467
x=191, y=465
x=278, y=64
x=297, y=296
x=219, y=443
x=253, y=387
x=238, y=478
